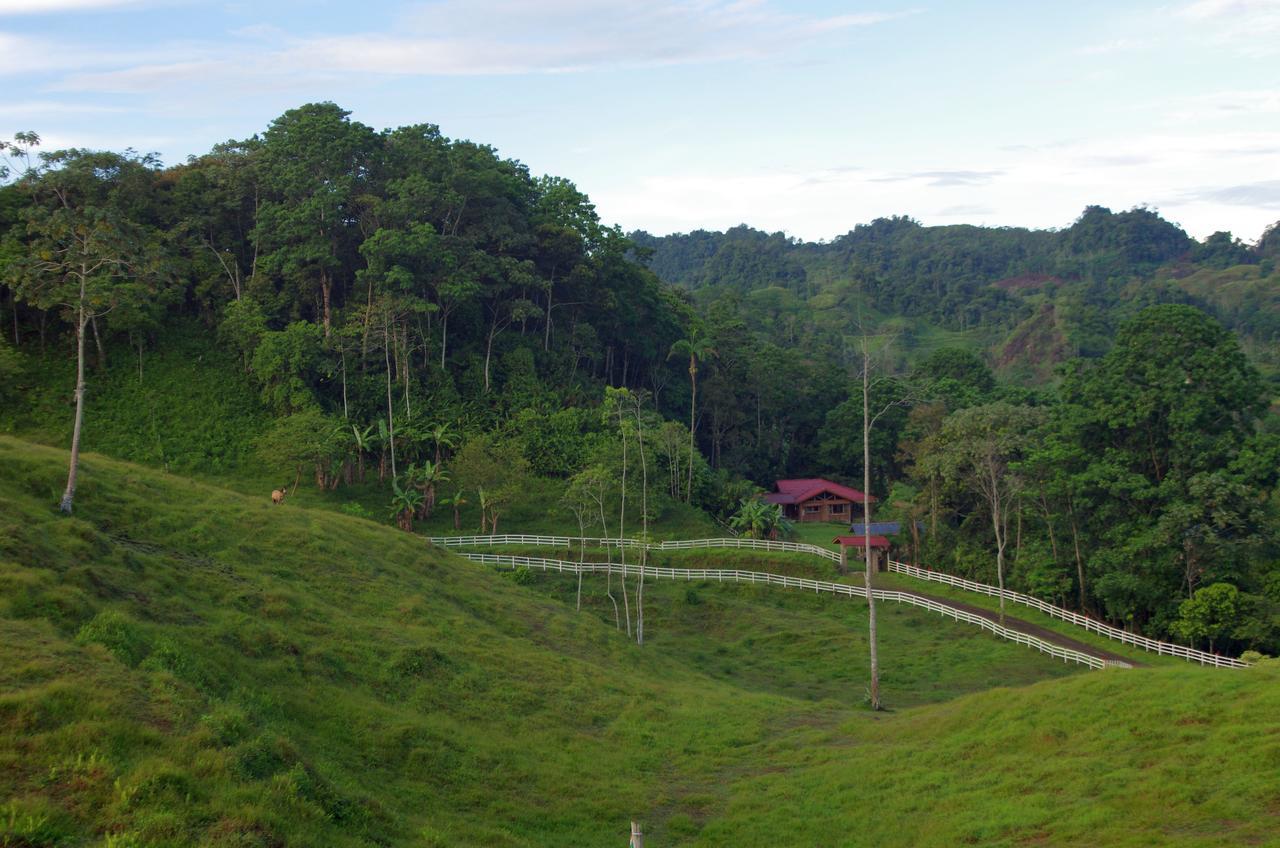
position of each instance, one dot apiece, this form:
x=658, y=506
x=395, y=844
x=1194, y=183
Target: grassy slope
x=182, y=665
x=1137, y=758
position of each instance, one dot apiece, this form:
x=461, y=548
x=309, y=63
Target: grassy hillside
x=1169, y=757
x=183, y=665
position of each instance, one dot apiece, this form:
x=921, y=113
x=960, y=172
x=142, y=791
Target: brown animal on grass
x=277, y=496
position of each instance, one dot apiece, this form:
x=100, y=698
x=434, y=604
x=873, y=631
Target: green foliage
x=306, y=438
x=757, y=519
x=118, y=634
x=1210, y=615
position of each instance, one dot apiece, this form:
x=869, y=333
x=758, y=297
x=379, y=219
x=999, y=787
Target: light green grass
x=182, y=665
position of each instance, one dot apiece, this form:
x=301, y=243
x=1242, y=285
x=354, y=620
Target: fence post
x=637, y=838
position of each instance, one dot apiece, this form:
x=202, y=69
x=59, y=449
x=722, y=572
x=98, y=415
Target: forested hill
x=415, y=328
x=1028, y=298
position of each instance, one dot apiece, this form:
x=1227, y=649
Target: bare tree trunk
x=344, y=385
x=391, y=424
x=866, y=520
x=13, y=301
x=997, y=520
x=644, y=518
x=608, y=590
x=1048, y=522
x=693, y=405
x=408, y=364
x=488, y=355
x=622, y=524
x=1075, y=541
x=444, y=338
x=69, y=495
x=326, y=291
x=97, y=342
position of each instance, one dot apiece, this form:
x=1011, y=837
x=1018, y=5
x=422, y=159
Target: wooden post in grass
x=637, y=838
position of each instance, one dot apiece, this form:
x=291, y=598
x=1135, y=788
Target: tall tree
x=981, y=448
x=315, y=166
x=85, y=256
x=697, y=347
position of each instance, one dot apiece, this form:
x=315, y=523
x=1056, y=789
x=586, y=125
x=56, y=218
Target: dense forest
x=1083, y=414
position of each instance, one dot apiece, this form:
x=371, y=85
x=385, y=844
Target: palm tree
x=750, y=520
x=457, y=501
x=759, y=520
x=404, y=503
x=443, y=436
x=696, y=347
x=363, y=439
x=426, y=477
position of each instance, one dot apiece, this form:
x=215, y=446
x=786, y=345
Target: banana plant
x=405, y=501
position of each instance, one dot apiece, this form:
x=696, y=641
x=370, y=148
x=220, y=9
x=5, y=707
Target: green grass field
x=181, y=664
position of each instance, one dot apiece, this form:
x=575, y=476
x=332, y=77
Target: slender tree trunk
x=1075, y=541
x=69, y=495
x=97, y=342
x=488, y=355
x=693, y=405
x=444, y=338
x=344, y=383
x=866, y=521
x=546, y=337
x=326, y=291
x=622, y=525
x=608, y=552
x=582, y=553
x=997, y=519
x=1048, y=523
x=408, y=363
x=644, y=533
x=391, y=424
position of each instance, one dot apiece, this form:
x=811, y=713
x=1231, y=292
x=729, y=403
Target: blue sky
x=807, y=117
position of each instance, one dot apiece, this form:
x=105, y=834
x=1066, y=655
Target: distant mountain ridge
x=1033, y=297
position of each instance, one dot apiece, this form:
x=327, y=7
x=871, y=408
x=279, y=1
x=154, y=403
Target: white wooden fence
x=684, y=544
x=1090, y=624
x=817, y=586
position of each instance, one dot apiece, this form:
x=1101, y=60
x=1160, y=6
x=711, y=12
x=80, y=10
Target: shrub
x=118, y=634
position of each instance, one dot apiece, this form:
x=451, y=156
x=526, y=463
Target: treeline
x=1141, y=491
x=420, y=314
x=961, y=276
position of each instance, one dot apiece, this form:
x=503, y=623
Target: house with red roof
x=815, y=499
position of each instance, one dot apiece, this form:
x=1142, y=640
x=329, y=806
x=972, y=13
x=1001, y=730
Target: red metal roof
x=799, y=491
x=858, y=541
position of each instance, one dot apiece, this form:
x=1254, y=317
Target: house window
x=811, y=510
x=837, y=509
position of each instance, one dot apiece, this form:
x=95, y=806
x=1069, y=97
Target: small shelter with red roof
x=879, y=550
x=816, y=499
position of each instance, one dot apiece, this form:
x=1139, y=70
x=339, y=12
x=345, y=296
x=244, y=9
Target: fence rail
x=786, y=581
x=1092, y=625
x=590, y=542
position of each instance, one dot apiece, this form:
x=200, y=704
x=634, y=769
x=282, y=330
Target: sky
x=674, y=115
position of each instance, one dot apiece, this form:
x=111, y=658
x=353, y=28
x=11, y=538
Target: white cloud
x=1116, y=45
x=54, y=107
x=486, y=37
x=42, y=7
x=1224, y=106
x=1251, y=25
x=1203, y=182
